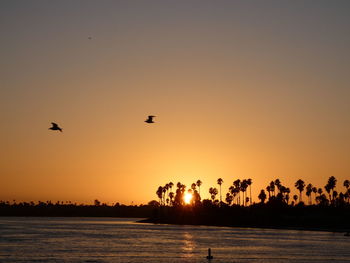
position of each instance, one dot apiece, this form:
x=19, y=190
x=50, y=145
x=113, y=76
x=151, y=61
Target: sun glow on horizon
x=188, y=198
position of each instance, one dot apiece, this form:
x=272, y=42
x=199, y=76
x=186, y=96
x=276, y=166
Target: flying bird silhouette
x=55, y=127
x=150, y=119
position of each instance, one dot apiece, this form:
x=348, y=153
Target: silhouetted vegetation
x=330, y=212
x=70, y=210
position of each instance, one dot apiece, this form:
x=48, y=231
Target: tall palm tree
x=164, y=191
x=183, y=188
x=347, y=192
x=287, y=197
x=278, y=184
x=268, y=189
x=167, y=189
x=272, y=187
x=295, y=197
x=300, y=186
x=314, y=190
x=262, y=196
x=159, y=193
x=171, y=186
x=199, y=183
x=237, y=184
x=331, y=184
x=219, y=182
x=286, y=192
x=249, y=183
x=233, y=191
x=347, y=195
x=178, y=185
x=244, y=187
x=213, y=192
x=178, y=200
x=171, y=196
x=229, y=198
x=308, y=192
x=322, y=200
x=328, y=190
x=334, y=194
x=193, y=186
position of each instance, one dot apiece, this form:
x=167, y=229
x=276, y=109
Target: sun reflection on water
x=188, y=245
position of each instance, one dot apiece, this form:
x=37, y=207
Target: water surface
x=122, y=240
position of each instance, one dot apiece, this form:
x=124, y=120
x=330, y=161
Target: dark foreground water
x=123, y=240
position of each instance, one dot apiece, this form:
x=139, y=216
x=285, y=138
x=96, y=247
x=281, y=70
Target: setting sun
x=188, y=198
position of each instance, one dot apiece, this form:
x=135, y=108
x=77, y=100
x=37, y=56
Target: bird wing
x=54, y=125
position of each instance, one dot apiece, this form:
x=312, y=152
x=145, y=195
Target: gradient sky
x=241, y=89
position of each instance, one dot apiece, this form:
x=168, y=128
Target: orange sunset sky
x=241, y=89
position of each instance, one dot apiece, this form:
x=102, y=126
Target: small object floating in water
x=347, y=234
x=209, y=254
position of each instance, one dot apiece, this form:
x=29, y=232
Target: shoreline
x=165, y=222
x=301, y=218
x=298, y=228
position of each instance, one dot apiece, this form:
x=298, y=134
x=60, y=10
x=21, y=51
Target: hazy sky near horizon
x=241, y=89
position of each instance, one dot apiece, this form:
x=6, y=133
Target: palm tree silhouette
x=220, y=181
x=331, y=184
x=268, y=189
x=159, y=193
x=249, y=183
x=164, y=190
x=272, y=187
x=262, y=196
x=213, y=192
x=237, y=184
x=193, y=186
x=322, y=199
x=319, y=191
x=233, y=191
x=244, y=187
x=178, y=185
x=229, y=198
x=171, y=196
x=347, y=184
x=334, y=194
x=347, y=193
x=314, y=190
x=328, y=190
x=167, y=190
x=199, y=183
x=179, y=200
x=278, y=184
x=287, y=195
x=300, y=186
x=171, y=184
x=295, y=197
x=308, y=192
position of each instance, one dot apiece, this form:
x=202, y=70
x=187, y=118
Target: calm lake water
x=123, y=240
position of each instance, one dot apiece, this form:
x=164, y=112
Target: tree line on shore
x=69, y=209
x=237, y=194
